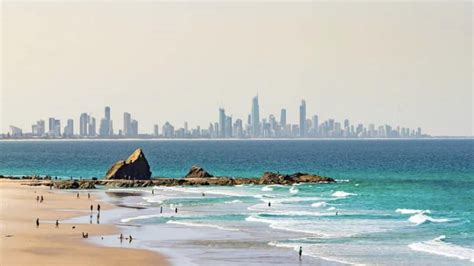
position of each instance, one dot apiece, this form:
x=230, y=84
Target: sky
x=400, y=63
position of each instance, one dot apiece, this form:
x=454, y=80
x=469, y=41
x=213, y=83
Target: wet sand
x=22, y=243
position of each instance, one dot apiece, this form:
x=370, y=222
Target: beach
x=388, y=205
x=22, y=243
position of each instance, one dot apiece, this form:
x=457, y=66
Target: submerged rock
x=197, y=171
x=135, y=167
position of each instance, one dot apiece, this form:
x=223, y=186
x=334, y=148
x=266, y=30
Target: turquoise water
x=397, y=202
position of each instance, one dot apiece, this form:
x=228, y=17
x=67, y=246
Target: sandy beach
x=22, y=243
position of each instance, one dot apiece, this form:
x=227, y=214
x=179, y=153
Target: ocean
x=395, y=202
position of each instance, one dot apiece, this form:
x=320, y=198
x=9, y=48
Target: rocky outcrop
x=136, y=167
x=197, y=171
x=74, y=184
x=197, y=176
x=270, y=178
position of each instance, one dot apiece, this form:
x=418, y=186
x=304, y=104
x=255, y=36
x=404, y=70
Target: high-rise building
x=84, y=120
x=54, y=127
x=255, y=118
x=228, y=127
x=222, y=119
x=105, y=129
x=283, y=117
x=40, y=128
x=127, y=119
x=303, y=119
x=69, y=128
x=134, y=128
x=156, y=132
x=92, y=127
x=315, y=122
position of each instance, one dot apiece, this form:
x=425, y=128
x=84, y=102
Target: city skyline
x=256, y=126
x=382, y=63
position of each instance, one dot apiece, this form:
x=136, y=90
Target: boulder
x=197, y=171
x=135, y=167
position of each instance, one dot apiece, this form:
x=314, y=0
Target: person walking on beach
x=92, y=207
x=161, y=209
x=130, y=239
x=89, y=195
x=121, y=237
x=98, y=208
x=77, y=195
x=300, y=252
x=37, y=198
x=41, y=199
x=57, y=223
x=37, y=222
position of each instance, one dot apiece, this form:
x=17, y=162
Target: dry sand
x=21, y=243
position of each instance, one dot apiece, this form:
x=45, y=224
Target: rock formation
x=136, y=167
x=270, y=178
x=197, y=171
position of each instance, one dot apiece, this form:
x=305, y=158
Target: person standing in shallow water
x=176, y=210
x=57, y=223
x=300, y=252
x=98, y=207
x=37, y=222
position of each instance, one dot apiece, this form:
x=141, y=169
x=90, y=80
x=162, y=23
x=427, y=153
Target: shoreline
x=23, y=244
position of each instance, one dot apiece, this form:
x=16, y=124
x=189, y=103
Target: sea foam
x=439, y=247
x=421, y=218
x=342, y=194
x=319, y=204
x=141, y=217
x=411, y=211
x=202, y=225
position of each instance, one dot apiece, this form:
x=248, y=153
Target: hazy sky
x=405, y=63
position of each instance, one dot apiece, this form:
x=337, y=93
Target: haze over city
x=387, y=63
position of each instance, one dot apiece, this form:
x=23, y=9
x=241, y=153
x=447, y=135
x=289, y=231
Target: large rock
x=269, y=178
x=197, y=171
x=135, y=167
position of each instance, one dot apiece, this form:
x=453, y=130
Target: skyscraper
x=283, y=118
x=83, y=124
x=134, y=128
x=69, y=128
x=105, y=128
x=303, y=119
x=92, y=127
x=315, y=122
x=255, y=117
x=127, y=118
x=222, y=119
x=228, y=127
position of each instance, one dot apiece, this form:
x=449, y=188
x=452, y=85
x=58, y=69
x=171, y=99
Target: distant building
x=283, y=117
x=255, y=115
x=69, y=129
x=92, y=128
x=105, y=129
x=16, y=132
x=156, y=132
x=127, y=119
x=303, y=119
x=84, y=120
x=134, y=128
x=222, y=120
